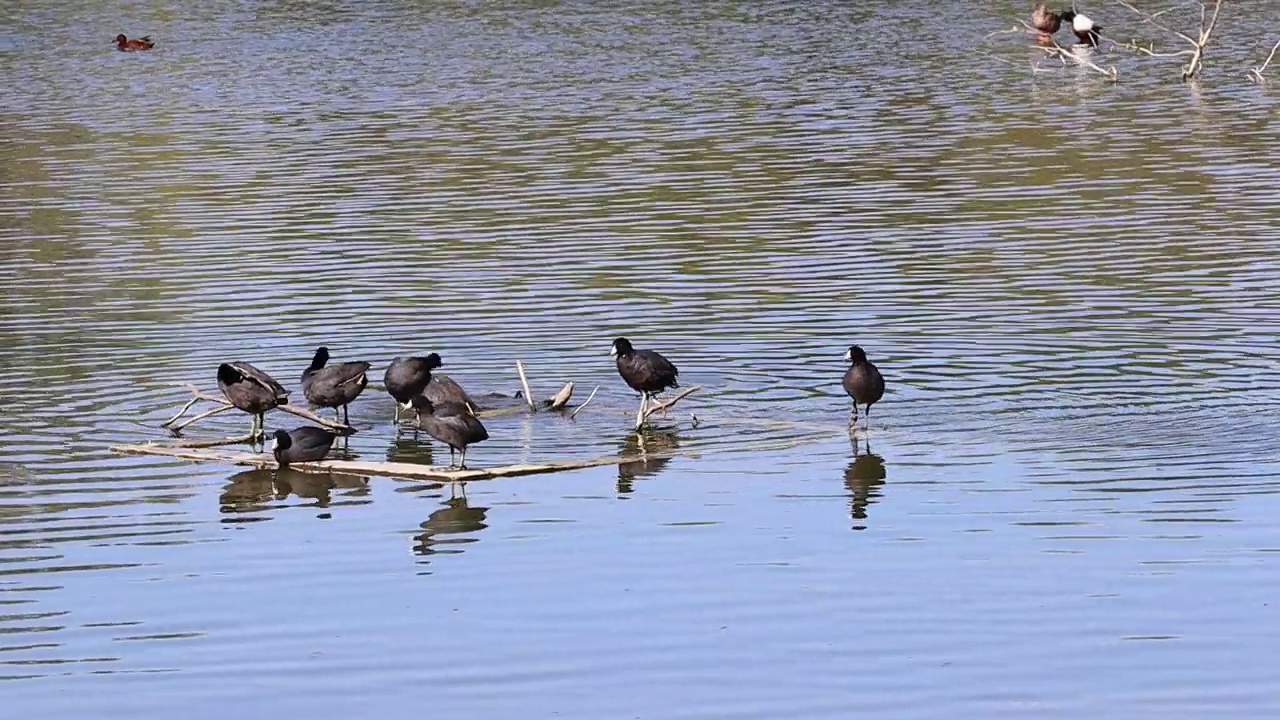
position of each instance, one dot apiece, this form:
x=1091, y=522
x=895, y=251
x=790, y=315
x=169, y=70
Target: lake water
x=1066, y=506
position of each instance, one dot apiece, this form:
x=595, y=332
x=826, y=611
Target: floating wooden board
x=363, y=467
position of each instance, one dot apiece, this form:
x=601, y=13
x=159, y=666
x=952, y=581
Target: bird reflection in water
x=652, y=450
x=409, y=447
x=864, y=476
x=254, y=491
x=457, y=517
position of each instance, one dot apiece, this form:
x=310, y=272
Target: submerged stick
x=647, y=412
x=240, y=440
x=524, y=383
x=1255, y=74
x=578, y=409
x=366, y=468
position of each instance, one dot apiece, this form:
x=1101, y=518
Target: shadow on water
x=652, y=449
x=864, y=477
x=441, y=528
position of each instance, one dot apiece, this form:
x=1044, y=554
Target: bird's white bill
x=274, y=444
x=613, y=350
x=848, y=356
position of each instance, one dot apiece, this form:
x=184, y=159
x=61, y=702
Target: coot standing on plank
x=251, y=390
x=407, y=377
x=862, y=381
x=303, y=444
x=334, y=386
x=452, y=424
x=644, y=371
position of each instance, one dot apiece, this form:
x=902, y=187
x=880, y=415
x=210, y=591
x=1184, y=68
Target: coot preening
x=862, y=381
x=645, y=371
x=407, y=377
x=452, y=424
x=442, y=390
x=334, y=386
x=1083, y=27
x=251, y=390
x=303, y=444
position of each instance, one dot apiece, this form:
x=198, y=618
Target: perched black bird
x=334, y=386
x=251, y=390
x=406, y=378
x=862, y=381
x=645, y=371
x=303, y=444
x=452, y=424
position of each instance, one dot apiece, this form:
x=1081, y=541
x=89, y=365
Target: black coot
x=862, y=381
x=334, y=386
x=645, y=371
x=444, y=390
x=407, y=377
x=452, y=424
x=251, y=390
x=303, y=444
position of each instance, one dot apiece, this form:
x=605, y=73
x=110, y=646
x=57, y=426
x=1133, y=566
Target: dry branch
x=648, y=412
x=1255, y=74
x=578, y=409
x=1198, y=43
x=1064, y=55
x=225, y=405
x=557, y=401
x=524, y=383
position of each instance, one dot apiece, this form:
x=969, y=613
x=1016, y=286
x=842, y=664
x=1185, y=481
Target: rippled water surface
x=1066, y=505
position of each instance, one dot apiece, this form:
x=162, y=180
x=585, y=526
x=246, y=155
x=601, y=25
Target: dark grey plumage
x=862, y=381
x=644, y=371
x=452, y=424
x=302, y=444
x=444, y=390
x=406, y=378
x=251, y=390
x=334, y=386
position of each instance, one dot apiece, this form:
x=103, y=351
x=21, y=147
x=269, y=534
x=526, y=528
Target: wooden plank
x=360, y=467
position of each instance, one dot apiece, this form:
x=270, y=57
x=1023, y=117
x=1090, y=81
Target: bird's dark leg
x=463, y=465
x=451, y=462
x=868, y=414
x=346, y=416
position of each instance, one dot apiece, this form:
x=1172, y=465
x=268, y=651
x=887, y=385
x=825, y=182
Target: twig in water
x=584, y=403
x=524, y=383
x=1198, y=44
x=181, y=412
x=201, y=416
x=647, y=412
x=1255, y=74
x=246, y=438
x=1064, y=54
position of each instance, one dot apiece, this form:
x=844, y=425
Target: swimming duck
x=1045, y=21
x=124, y=44
x=251, y=390
x=1083, y=27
